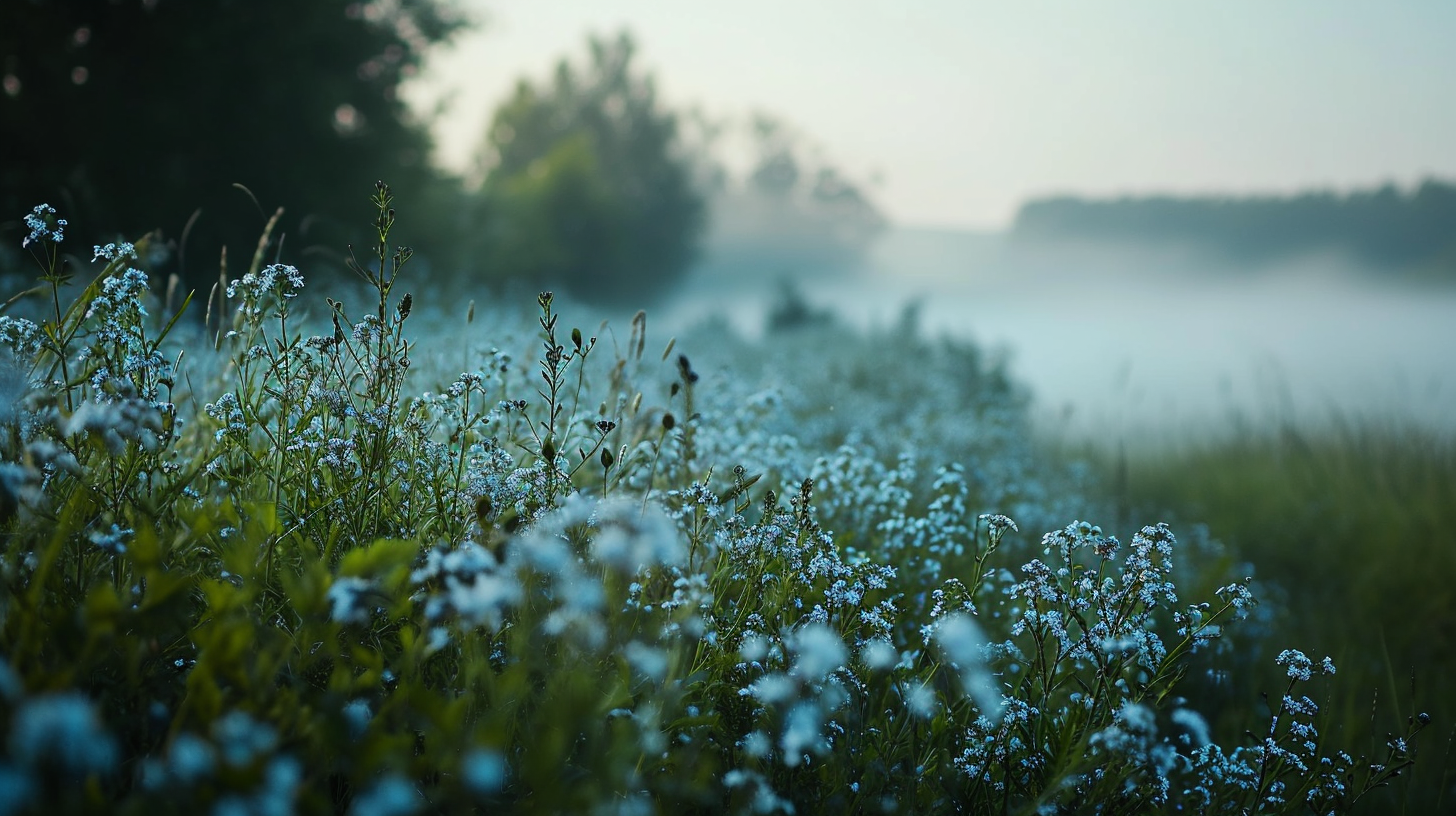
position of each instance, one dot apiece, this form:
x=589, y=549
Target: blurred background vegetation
x=200, y=119
x=1385, y=228
x=587, y=184
x=134, y=116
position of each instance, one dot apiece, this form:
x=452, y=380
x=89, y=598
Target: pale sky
x=968, y=108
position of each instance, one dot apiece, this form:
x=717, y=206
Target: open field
x=301, y=558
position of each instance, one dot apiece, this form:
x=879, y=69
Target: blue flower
x=40, y=229
x=65, y=731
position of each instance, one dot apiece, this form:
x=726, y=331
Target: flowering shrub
x=286, y=580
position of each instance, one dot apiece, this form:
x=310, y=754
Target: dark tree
x=588, y=186
x=132, y=115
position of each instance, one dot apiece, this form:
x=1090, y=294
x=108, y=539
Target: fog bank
x=1132, y=342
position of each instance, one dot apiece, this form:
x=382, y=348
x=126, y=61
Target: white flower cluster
x=43, y=226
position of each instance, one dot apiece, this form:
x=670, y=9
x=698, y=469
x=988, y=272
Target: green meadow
x=268, y=550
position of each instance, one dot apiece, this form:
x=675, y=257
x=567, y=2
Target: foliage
x=792, y=210
x=550, y=588
x=587, y=184
x=1384, y=227
x=785, y=169
x=1354, y=519
x=140, y=114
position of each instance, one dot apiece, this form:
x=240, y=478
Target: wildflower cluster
x=92, y=428
x=274, y=285
x=20, y=337
x=43, y=226
x=373, y=576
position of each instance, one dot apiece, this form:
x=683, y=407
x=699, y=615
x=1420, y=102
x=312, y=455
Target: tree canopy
x=587, y=184
x=132, y=115
x=792, y=210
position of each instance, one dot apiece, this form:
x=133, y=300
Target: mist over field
x=1129, y=339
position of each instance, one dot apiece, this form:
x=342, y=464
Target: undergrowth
x=1353, y=520
x=300, y=569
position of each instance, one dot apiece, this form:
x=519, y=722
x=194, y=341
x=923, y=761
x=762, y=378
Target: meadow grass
x=302, y=558
x=1353, y=522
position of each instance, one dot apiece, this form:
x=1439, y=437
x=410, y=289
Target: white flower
x=348, y=599
x=964, y=646
x=1192, y=722
x=645, y=659
x=773, y=688
x=483, y=599
x=879, y=654
x=802, y=733
x=754, y=648
x=628, y=538
x=819, y=651
x=920, y=699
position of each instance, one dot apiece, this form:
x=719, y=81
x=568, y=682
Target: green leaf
x=379, y=559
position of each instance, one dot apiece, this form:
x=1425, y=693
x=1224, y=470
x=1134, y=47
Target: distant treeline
x=1384, y=227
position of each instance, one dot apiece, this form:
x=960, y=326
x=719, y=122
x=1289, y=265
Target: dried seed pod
x=686, y=369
